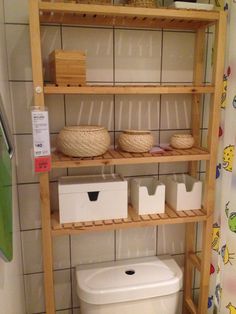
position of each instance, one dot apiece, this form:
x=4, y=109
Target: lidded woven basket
x=83, y=140
x=143, y=3
x=182, y=141
x=136, y=141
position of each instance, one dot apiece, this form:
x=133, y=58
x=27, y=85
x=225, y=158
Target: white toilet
x=141, y=286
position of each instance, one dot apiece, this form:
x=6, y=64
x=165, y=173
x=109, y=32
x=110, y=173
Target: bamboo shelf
x=114, y=157
x=133, y=221
x=128, y=90
x=121, y=16
x=68, y=12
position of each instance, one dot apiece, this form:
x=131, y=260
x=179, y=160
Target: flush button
x=130, y=272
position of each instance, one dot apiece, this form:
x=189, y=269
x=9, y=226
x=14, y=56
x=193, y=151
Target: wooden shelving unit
x=59, y=12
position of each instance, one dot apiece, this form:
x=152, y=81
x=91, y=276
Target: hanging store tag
x=41, y=141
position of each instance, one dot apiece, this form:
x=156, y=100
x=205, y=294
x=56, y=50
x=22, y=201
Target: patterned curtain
x=222, y=297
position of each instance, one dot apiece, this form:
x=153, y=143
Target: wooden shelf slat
x=124, y=90
x=116, y=158
x=125, y=16
x=133, y=220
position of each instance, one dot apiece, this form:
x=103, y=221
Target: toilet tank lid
x=128, y=280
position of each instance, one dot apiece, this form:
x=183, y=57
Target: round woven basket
x=135, y=141
x=83, y=141
x=143, y=3
x=182, y=141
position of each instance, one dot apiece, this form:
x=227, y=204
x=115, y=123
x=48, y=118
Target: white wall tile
x=32, y=251
x=178, y=58
x=175, y=111
x=62, y=289
x=137, y=170
x=97, y=43
x=137, y=112
x=64, y=312
x=99, y=248
x=209, y=57
x=16, y=11
x=206, y=111
x=171, y=239
x=29, y=204
x=18, y=46
x=137, y=56
x=22, y=100
x=74, y=289
x=34, y=293
x=24, y=153
x=135, y=242
x=95, y=109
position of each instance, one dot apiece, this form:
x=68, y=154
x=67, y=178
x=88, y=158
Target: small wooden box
x=68, y=67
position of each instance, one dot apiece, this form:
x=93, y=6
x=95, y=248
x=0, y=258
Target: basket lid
x=137, y=132
x=84, y=128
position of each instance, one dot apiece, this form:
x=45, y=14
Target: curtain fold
x=222, y=295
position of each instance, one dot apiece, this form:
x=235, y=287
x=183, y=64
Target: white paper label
x=40, y=133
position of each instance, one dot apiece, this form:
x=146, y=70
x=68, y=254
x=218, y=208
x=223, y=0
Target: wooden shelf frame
x=123, y=16
x=129, y=90
x=114, y=157
x=133, y=221
x=120, y=16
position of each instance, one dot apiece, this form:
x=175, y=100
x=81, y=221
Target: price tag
x=41, y=141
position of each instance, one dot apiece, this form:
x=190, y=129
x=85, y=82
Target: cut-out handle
x=93, y=196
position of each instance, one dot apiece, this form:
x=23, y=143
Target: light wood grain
x=111, y=90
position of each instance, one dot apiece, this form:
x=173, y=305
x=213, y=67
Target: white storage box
x=183, y=192
x=147, y=195
x=141, y=286
x=86, y=198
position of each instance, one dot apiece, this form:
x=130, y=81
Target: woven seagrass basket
x=83, y=141
x=136, y=141
x=182, y=141
x=143, y=3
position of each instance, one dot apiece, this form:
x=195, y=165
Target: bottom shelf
x=134, y=220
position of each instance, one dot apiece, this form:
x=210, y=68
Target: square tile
x=97, y=43
x=209, y=57
x=99, y=248
x=94, y=109
x=34, y=293
x=24, y=159
x=90, y=170
x=18, y=47
x=175, y=111
x=171, y=239
x=29, y=206
x=62, y=289
x=19, y=14
x=22, y=101
x=64, y=312
x=135, y=242
x=177, y=64
x=74, y=289
x=32, y=251
x=137, y=170
x=206, y=111
x=137, y=55
x=137, y=112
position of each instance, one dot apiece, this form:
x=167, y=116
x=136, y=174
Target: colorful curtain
x=222, y=297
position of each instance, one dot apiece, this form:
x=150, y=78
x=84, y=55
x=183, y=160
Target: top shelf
x=125, y=16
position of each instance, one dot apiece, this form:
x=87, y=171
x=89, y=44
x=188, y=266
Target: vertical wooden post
x=37, y=69
x=190, y=233
x=214, y=119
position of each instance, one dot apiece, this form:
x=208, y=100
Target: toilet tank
x=148, y=285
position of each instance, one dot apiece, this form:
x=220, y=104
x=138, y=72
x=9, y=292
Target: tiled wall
x=113, y=56
x=11, y=274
